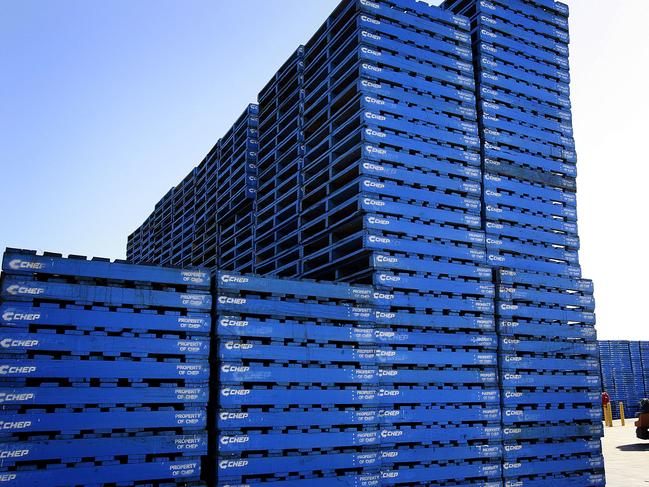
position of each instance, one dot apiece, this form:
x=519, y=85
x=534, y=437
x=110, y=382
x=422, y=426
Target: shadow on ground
x=634, y=447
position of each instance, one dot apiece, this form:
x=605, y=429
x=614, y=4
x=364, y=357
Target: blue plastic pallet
x=439, y=321
x=522, y=72
x=552, y=421
x=575, y=301
x=499, y=246
x=501, y=34
x=567, y=380
x=428, y=284
x=503, y=130
x=69, y=423
x=512, y=345
x=545, y=466
x=412, y=16
x=462, y=169
x=19, y=289
x=412, y=105
x=235, y=419
x=238, y=373
x=493, y=112
x=270, y=308
x=580, y=480
x=407, y=193
x=424, y=248
x=501, y=187
x=384, y=83
x=178, y=470
x=233, y=282
x=515, y=450
x=412, y=211
x=275, y=442
x=38, y=450
x=543, y=236
x=232, y=397
x=22, y=343
x=103, y=369
x=414, y=176
x=17, y=261
x=49, y=395
x=513, y=362
x=232, y=326
x=538, y=329
x=234, y=350
x=429, y=266
x=545, y=313
x=381, y=138
x=546, y=64
x=439, y=53
x=537, y=20
x=22, y=314
x=459, y=78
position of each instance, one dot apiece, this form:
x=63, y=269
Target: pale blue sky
x=105, y=105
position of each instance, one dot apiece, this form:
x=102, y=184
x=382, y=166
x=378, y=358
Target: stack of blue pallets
x=318, y=384
x=392, y=161
x=281, y=158
x=549, y=368
x=208, y=220
x=428, y=153
x=625, y=369
x=237, y=190
x=104, y=371
x=644, y=357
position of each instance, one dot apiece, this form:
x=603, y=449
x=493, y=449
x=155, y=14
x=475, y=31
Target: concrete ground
x=626, y=457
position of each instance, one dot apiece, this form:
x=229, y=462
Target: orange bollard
x=608, y=415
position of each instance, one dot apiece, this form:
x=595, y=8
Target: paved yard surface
x=626, y=457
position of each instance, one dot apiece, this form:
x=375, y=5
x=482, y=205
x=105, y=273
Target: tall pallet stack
x=549, y=367
x=625, y=373
x=236, y=192
x=281, y=159
x=391, y=140
x=205, y=238
x=317, y=385
x=104, y=372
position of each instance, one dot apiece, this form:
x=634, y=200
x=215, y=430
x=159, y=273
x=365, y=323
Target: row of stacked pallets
x=104, y=372
x=105, y=377
x=323, y=384
x=550, y=386
x=625, y=373
x=428, y=155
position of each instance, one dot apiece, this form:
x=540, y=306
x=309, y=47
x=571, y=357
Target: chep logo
x=16, y=289
x=18, y=264
x=13, y=290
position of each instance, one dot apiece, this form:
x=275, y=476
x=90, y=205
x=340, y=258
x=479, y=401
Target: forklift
x=642, y=424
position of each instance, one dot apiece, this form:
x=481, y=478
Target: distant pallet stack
x=625, y=370
x=208, y=219
x=318, y=385
x=104, y=371
x=545, y=311
x=236, y=192
x=281, y=159
x=205, y=239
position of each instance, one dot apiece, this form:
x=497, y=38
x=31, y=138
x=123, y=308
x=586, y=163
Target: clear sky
x=104, y=106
